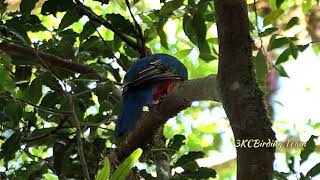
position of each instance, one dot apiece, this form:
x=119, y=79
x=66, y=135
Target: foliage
x=36, y=116
x=38, y=136
x=293, y=170
x=122, y=171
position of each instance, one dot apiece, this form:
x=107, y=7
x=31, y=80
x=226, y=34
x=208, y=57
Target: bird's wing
x=154, y=71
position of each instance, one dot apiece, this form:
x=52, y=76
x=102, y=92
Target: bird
x=146, y=82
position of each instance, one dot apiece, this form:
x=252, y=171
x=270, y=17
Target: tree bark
x=49, y=59
x=241, y=97
x=183, y=95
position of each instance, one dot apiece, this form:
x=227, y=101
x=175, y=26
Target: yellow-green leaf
x=104, y=173
x=6, y=82
x=124, y=169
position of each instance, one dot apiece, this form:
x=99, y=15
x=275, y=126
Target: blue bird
x=149, y=79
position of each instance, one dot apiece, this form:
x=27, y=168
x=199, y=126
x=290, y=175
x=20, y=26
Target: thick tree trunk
x=241, y=97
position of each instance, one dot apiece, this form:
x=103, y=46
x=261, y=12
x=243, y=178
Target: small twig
x=73, y=112
x=104, y=42
x=49, y=110
x=264, y=52
x=98, y=125
x=79, y=139
x=53, y=132
x=49, y=59
x=49, y=68
x=257, y=24
x=313, y=42
x=162, y=149
x=94, y=17
x=140, y=39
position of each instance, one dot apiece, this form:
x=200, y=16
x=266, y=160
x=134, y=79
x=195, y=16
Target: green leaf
x=201, y=33
x=191, y=156
x=113, y=71
x=293, y=49
x=284, y=56
x=316, y=48
x=306, y=6
x=199, y=173
x=301, y=48
x=277, y=43
x=34, y=91
x=176, y=142
x=281, y=71
x=188, y=29
x=130, y=52
x=191, y=2
x=272, y=17
x=315, y=170
x=54, y=6
x=101, y=90
x=167, y=9
x=125, y=167
x=19, y=32
x=310, y=147
x=88, y=30
x=261, y=66
x=279, y=2
x=182, y=54
x=205, y=173
x=165, y=12
x=268, y=31
x=190, y=166
x=96, y=47
x=292, y=22
x=291, y=164
x=104, y=173
x=281, y=175
x=6, y=82
x=3, y=6
x=10, y=146
x=31, y=118
x=33, y=169
x=14, y=110
x=69, y=18
x=48, y=80
x=121, y=23
x=27, y=6
x=40, y=132
x=104, y=1
x=150, y=34
x=5, y=59
x=162, y=34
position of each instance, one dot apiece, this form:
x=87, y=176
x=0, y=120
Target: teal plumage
x=145, y=82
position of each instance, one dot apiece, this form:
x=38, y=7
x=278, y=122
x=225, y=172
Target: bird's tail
x=130, y=113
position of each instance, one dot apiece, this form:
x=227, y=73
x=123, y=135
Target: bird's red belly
x=162, y=88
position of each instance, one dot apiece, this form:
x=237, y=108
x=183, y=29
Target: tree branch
x=94, y=17
x=79, y=139
x=140, y=39
x=44, y=109
x=184, y=94
x=55, y=61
